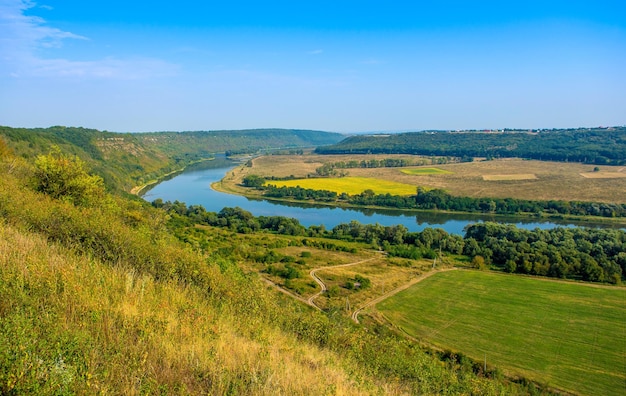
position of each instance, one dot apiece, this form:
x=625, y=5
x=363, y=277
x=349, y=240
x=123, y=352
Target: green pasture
x=350, y=185
x=566, y=335
x=424, y=171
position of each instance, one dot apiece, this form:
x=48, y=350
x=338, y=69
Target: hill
x=126, y=160
x=602, y=146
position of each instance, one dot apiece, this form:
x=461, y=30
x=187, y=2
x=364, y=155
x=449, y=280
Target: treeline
x=588, y=254
x=595, y=255
x=438, y=199
x=330, y=168
x=592, y=146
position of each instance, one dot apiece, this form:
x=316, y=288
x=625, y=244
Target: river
x=193, y=186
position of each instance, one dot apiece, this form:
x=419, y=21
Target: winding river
x=193, y=186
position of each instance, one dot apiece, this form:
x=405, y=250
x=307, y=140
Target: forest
x=600, y=146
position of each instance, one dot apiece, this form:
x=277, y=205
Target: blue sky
x=343, y=66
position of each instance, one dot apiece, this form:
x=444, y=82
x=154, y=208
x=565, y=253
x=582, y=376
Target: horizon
x=351, y=68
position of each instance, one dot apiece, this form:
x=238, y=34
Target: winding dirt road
x=311, y=300
x=355, y=315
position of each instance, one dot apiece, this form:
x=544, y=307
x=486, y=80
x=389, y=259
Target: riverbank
x=138, y=190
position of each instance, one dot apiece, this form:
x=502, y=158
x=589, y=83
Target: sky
x=343, y=66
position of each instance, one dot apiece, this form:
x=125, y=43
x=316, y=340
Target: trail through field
x=287, y=292
x=311, y=300
x=355, y=314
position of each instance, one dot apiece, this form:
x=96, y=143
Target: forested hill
x=602, y=146
x=126, y=160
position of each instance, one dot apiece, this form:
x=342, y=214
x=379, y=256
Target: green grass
x=424, y=171
x=568, y=336
x=350, y=185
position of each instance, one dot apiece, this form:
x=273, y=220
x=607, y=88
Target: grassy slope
x=70, y=323
x=570, y=336
x=102, y=299
x=127, y=160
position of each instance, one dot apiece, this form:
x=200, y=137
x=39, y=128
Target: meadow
x=569, y=336
x=424, y=171
x=350, y=185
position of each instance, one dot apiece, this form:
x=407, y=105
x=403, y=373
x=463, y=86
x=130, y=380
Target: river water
x=193, y=186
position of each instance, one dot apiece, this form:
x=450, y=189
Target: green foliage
x=437, y=199
x=358, y=282
x=594, y=146
x=253, y=181
x=66, y=178
x=126, y=160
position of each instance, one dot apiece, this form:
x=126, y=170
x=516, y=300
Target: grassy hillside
x=125, y=160
x=98, y=297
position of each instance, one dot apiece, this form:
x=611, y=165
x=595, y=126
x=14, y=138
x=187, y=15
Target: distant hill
x=125, y=160
x=602, y=146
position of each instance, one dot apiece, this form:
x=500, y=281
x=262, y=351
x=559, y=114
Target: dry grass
x=553, y=180
x=520, y=176
x=143, y=334
x=382, y=273
x=603, y=175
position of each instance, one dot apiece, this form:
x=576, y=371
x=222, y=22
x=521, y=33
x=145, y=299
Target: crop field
x=603, y=175
x=424, y=171
x=566, y=335
x=519, y=176
x=350, y=185
x=553, y=180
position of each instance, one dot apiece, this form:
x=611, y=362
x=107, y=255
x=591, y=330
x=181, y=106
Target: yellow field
x=350, y=185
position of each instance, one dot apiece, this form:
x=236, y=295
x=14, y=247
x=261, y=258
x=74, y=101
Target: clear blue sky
x=337, y=65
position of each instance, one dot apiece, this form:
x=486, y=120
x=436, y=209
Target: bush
x=66, y=178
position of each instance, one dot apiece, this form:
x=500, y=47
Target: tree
x=66, y=178
x=253, y=181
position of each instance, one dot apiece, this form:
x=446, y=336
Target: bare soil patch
x=603, y=175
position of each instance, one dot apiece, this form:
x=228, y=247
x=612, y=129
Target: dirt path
x=287, y=292
x=311, y=300
x=355, y=314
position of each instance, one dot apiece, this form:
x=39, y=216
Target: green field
x=350, y=185
x=568, y=336
x=424, y=171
